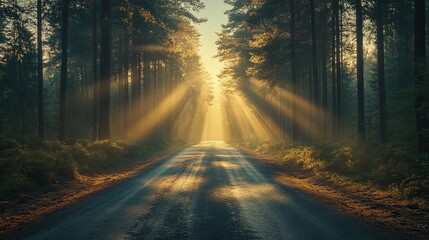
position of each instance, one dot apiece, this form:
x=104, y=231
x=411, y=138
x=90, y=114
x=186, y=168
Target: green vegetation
x=387, y=167
x=26, y=167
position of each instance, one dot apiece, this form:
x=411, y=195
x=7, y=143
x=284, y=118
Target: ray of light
x=245, y=122
x=147, y=124
x=308, y=117
x=213, y=127
x=189, y=121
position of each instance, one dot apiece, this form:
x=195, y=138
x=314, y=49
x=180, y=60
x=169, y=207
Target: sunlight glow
x=148, y=123
x=225, y=164
x=244, y=122
x=306, y=115
x=213, y=126
x=185, y=183
x=262, y=191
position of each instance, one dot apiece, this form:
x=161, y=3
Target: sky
x=214, y=12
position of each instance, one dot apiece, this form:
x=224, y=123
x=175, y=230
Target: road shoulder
x=33, y=206
x=409, y=218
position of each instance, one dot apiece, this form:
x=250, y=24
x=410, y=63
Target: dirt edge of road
x=408, y=217
x=32, y=207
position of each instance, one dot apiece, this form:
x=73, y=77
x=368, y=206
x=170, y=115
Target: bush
x=305, y=157
x=389, y=167
x=23, y=168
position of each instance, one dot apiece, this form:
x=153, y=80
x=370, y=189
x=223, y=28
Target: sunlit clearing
x=244, y=122
x=148, y=123
x=256, y=192
x=306, y=113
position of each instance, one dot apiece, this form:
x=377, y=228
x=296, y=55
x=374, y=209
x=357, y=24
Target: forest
x=93, y=76
x=338, y=88
x=348, y=78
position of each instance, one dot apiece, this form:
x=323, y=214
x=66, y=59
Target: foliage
x=42, y=164
x=403, y=173
x=160, y=38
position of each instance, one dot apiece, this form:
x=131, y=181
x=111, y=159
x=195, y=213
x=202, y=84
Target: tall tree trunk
x=314, y=55
x=63, y=82
x=380, y=63
x=126, y=100
x=324, y=68
x=121, y=77
x=360, y=82
x=105, y=71
x=324, y=58
x=334, y=72
x=338, y=71
x=134, y=85
x=146, y=85
x=422, y=118
x=155, y=84
x=96, y=87
x=139, y=87
x=41, y=111
x=294, y=129
x=21, y=96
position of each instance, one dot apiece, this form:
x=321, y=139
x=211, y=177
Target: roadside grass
x=43, y=164
x=390, y=168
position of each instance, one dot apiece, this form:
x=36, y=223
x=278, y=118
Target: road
x=208, y=191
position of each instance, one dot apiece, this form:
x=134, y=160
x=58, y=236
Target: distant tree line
x=361, y=61
x=91, y=69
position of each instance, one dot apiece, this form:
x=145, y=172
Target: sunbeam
x=213, y=129
x=307, y=113
x=147, y=124
x=244, y=122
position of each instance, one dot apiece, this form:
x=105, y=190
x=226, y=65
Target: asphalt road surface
x=208, y=191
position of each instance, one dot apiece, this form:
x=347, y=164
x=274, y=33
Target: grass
x=41, y=164
x=403, y=173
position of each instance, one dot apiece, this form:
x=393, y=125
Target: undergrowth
x=403, y=173
x=25, y=167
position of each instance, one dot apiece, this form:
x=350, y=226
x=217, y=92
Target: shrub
x=306, y=157
x=101, y=150
x=391, y=167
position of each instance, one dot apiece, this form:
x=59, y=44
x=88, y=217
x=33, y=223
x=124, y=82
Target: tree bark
x=380, y=65
x=120, y=78
x=96, y=87
x=294, y=129
x=126, y=100
x=139, y=87
x=41, y=111
x=324, y=59
x=146, y=79
x=135, y=103
x=105, y=71
x=334, y=72
x=338, y=71
x=360, y=80
x=63, y=82
x=316, y=97
x=422, y=118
